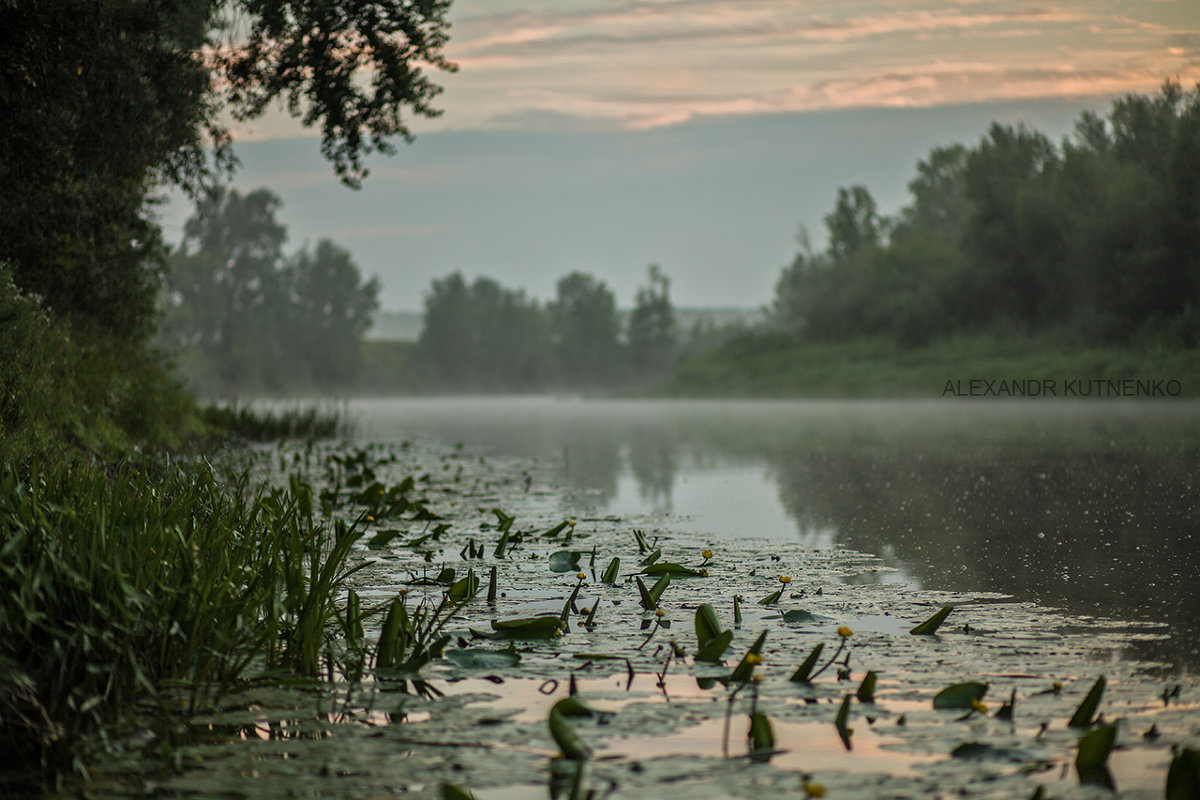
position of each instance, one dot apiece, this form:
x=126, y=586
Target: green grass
x=766, y=365
x=264, y=425
x=116, y=581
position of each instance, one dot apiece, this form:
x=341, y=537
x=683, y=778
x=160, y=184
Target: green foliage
x=248, y=317
x=60, y=395
x=116, y=580
x=930, y=626
x=104, y=101
x=585, y=329
x=1099, y=236
x=652, y=331
x=482, y=336
x=960, y=695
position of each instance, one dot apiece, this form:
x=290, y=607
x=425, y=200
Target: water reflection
x=1089, y=507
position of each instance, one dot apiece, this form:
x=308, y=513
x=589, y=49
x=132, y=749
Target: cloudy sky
x=605, y=135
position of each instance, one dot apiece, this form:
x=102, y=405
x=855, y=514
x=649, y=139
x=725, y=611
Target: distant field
x=760, y=365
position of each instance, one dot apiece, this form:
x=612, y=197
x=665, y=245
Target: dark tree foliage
x=98, y=102
x=481, y=336
x=104, y=102
x=313, y=54
x=653, y=334
x=484, y=337
x=585, y=330
x=1097, y=238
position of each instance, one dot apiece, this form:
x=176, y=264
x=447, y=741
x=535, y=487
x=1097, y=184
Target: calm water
x=1090, y=507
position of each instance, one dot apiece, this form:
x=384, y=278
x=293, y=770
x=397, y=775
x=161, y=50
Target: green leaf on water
x=930, y=626
x=504, y=521
x=465, y=589
x=761, y=735
x=1006, y=710
x=383, y=538
x=840, y=721
x=745, y=667
x=640, y=538
x=611, y=571
x=556, y=530
x=960, y=695
x=572, y=706
x=806, y=668
x=1095, y=746
x=1087, y=709
x=565, y=560
x=773, y=597
x=650, y=559
x=799, y=615
x=452, y=791
x=714, y=648
x=1183, y=776
x=501, y=546
x=707, y=624
x=544, y=626
x=671, y=568
x=483, y=659
x=647, y=601
x=660, y=586
x=866, y=689
x=566, y=738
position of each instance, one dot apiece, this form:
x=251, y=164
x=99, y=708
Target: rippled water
x=1085, y=506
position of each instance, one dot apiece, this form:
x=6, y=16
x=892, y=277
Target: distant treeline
x=240, y=315
x=1095, y=240
x=481, y=336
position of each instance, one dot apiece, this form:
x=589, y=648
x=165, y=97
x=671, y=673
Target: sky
x=699, y=135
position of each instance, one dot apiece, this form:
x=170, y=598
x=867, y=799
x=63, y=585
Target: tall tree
x=855, y=223
x=331, y=310
x=652, y=330
x=103, y=102
x=259, y=318
x=585, y=330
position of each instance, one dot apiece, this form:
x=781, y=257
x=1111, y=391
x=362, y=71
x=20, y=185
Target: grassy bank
x=771, y=365
x=152, y=588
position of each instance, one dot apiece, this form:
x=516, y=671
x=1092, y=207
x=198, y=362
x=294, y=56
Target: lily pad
x=483, y=659
x=799, y=615
x=960, y=695
x=565, y=560
x=544, y=626
x=714, y=648
x=671, y=568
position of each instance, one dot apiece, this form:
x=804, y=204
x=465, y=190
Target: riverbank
x=477, y=715
x=770, y=365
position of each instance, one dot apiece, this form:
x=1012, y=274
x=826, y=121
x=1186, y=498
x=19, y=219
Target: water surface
x=1086, y=506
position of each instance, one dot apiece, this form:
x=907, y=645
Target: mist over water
x=1085, y=506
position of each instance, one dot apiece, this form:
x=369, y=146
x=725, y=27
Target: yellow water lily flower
x=785, y=579
x=813, y=789
x=580, y=575
x=753, y=658
x=845, y=632
x=706, y=554
x=978, y=705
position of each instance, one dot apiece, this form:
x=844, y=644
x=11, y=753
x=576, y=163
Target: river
x=1087, y=507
